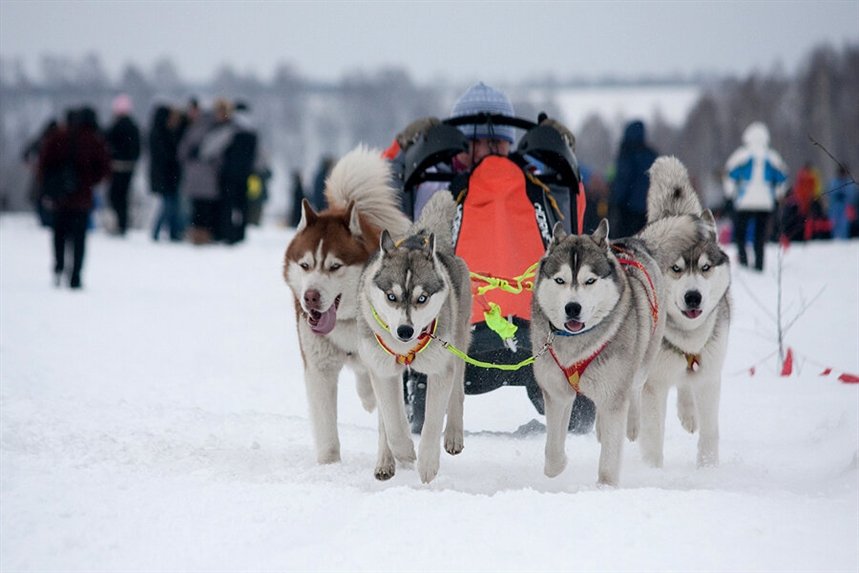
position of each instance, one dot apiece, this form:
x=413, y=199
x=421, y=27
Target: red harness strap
x=651, y=294
x=573, y=372
x=406, y=359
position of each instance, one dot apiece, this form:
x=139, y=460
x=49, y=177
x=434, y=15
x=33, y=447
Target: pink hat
x=122, y=104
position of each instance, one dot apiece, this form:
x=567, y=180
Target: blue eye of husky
x=335, y=266
x=559, y=280
x=392, y=297
x=304, y=266
x=705, y=268
x=422, y=299
x=676, y=268
x=590, y=281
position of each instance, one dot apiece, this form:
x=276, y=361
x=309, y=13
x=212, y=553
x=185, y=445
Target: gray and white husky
x=409, y=294
x=693, y=348
x=597, y=314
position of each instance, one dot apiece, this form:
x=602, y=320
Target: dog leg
x=633, y=420
x=385, y=465
x=707, y=399
x=558, y=410
x=438, y=396
x=612, y=421
x=321, y=385
x=453, y=432
x=365, y=390
x=389, y=393
x=653, y=403
x=686, y=407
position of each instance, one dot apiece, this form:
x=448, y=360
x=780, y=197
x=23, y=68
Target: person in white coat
x=755, y=180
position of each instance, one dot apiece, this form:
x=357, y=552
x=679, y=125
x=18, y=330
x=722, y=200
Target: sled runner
x=506, y=208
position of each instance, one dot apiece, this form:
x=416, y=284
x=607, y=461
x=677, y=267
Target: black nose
x=573, y=309
x=692, y=299
x=405, y=332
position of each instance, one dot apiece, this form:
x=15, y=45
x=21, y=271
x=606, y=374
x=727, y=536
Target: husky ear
x=710, y=223
x=600, y=236
x=386, y=242
x=558, y=233
x=429, y=247
x=354, y=219
x=308, y=215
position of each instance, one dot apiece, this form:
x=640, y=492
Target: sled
x=507, y=207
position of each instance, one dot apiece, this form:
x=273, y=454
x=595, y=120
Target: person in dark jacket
x=123, y=139
x=30, y=156
x=79, y=145
x=628, y=198
x=238, y=163
x=296, y=192
x=165, y=170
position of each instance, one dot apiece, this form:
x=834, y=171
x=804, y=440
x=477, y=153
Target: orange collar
x=574, y=371
x=409, y=357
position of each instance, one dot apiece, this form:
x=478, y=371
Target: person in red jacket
x=79, y=145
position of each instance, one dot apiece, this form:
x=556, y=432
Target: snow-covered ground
x=157, y=421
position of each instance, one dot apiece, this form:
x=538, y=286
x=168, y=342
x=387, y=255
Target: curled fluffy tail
x=363, y=176
x=670, y=192
x=437, y=218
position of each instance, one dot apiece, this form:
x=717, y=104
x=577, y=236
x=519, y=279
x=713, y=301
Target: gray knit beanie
x=481, y=98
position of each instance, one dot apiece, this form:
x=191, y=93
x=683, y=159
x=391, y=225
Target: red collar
x=574, y=371
x=423, y=340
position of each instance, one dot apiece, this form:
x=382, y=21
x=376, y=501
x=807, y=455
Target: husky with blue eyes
x=597, y=319
x=414, y=296
x=698, y=279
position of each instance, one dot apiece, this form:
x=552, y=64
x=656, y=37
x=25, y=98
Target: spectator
x=843, y=194
x=297, y=194
x=317, y=200
x=199, y=176
x=236, y=167
x=808, y=191
x=628, y=197
x=755, y=181
x=80, y=150
x=123, y=140
x=165, y=171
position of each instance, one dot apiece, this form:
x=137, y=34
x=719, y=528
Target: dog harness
x=574, y=371
x=423, y=340
x=693, y=361
x=628, y=261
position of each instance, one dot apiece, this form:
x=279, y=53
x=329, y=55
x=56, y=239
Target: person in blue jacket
x=628, y=197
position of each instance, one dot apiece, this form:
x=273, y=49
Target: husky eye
x=304, y=266
x=392, y=297
x=334, y=267
x=422, y=299
x=590, y=281
x=676, y=268
x=559, y=280
x=705, y=268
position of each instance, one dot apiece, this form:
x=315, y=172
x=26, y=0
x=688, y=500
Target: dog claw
x=454, y=445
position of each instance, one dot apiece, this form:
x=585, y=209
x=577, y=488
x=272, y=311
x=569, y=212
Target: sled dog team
x=618, y=320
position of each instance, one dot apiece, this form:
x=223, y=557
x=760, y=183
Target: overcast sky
x=457, y=40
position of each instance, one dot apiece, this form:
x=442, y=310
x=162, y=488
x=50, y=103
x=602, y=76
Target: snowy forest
x=301, y=119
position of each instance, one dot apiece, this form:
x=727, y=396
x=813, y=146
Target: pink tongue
x=326, y=321
x=574, y=325
x=694, y=313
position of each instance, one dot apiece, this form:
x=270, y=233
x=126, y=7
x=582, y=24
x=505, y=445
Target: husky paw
x=384, y=472
x=607, y=481
x=554, y=466
x=368, y=402
x=453, y=443
x=688, y=420
x=328, y=456
x=428, y=469
x=405, y=453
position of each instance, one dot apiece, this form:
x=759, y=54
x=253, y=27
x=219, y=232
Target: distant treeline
x=300, y=119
